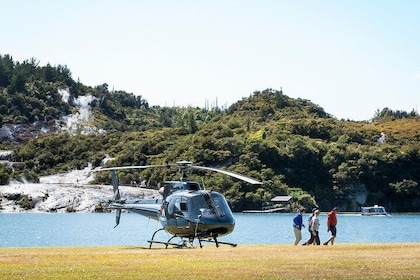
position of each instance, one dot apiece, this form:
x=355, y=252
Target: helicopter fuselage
x=197, y=213
x=185, y=210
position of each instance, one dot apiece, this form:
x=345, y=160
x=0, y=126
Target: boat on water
x=375, y=210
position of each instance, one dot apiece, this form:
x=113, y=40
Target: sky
x=350, y=57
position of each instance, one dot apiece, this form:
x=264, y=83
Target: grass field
x=348, y=261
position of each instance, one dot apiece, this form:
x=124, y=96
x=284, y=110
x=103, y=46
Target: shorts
x=333, y=230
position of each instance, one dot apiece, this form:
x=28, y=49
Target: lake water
x=89, y=229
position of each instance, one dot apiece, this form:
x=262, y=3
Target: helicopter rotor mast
x=182, y=167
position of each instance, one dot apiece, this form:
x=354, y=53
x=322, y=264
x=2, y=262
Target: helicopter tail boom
x=145, y=207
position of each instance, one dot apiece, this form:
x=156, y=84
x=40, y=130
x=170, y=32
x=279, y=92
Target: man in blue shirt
x=297, y=225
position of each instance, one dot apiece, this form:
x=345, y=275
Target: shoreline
x=63, y=198
x=64, y=192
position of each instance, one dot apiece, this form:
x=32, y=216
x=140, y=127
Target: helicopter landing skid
x=217, y=242
x=186, y=243
x=180, y=245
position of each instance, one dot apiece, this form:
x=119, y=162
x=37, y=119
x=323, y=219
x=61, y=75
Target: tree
x=6, y=70
x=4, y=175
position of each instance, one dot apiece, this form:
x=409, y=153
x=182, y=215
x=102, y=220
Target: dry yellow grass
x=377, y=261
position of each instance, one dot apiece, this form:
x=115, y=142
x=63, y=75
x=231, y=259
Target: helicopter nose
x=213, y=225
x=214, y=219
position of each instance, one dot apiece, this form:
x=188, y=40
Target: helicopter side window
x=183, y=206
x=171, y=206
x=174, y=207
x=178, y=206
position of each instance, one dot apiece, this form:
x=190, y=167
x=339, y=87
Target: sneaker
x=325, y=243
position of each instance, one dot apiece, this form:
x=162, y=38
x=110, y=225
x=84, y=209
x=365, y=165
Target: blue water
x=79, y=229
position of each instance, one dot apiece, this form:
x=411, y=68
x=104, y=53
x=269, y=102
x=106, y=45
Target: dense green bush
x=292, y=145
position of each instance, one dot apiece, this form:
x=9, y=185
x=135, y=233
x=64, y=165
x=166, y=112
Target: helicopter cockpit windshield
x=208, y=204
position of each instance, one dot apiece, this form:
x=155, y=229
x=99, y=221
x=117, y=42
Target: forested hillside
x=52, y=123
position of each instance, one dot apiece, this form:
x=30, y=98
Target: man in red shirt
x=331, y=225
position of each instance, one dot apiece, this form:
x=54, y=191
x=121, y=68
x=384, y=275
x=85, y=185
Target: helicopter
x=185, y=211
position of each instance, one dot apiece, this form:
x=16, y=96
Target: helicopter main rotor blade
x=186, y=165
x=230, y=173
x=130, y=167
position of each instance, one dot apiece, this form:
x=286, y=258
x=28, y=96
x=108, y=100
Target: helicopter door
x=179, y=210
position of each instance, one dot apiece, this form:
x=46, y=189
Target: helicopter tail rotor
x=117, y=196
x=117, y=217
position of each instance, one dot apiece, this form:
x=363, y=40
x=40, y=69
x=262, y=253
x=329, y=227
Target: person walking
x=312, y=237
x=315, y=227
x=332, y=225
x=297, y=225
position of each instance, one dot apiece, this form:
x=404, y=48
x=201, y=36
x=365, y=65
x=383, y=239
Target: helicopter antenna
x=202, y=183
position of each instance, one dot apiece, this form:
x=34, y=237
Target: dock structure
x=281, y=199
x=279, y=205
x=271, y=210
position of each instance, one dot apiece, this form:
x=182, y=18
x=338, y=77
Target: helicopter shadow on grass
x=142, y=248
x=158, y=248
